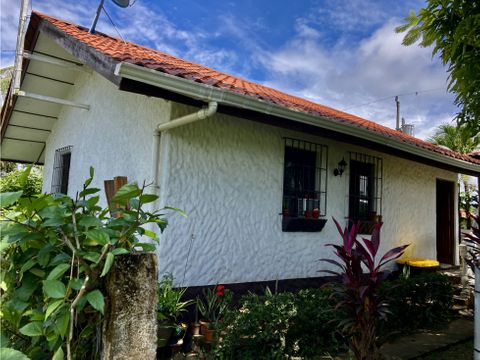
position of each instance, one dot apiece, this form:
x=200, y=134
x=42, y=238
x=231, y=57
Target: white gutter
x=209, y=93
x=183, y=120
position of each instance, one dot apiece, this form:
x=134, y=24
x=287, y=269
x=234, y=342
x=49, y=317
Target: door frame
x=445, y=210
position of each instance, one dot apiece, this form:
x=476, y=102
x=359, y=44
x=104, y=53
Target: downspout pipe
x=202, y=114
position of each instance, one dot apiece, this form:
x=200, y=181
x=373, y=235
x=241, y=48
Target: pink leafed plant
x=357, y=295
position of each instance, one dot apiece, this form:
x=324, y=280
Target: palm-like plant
x=462, y=139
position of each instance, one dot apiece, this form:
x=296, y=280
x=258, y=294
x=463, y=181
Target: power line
x=393, y=97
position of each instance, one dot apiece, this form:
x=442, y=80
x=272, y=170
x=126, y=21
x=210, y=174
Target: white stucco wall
x=115, y=136
x=227, y=174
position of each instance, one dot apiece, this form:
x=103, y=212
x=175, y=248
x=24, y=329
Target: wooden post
x=111, y=188
x=130, y=325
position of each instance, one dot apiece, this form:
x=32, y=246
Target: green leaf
x=88, y=192
x=95, y=298
x=58, y=271
x=59, y=355
x=147, y=198
x=12, y=354
x=75, y=284
x=108, y=264
x=120, y=251
x=54, y=288
x=147, y=246
x=38, y=272
x=177, y=210
x=125, y=193
x=90, y=255
x=9, y=198
x=150, y=234
x=89, y=221
x=22, y=179
x=32, y=329
x=52, y=307
x=28, y=265
x=61, y=323
x=97, y=237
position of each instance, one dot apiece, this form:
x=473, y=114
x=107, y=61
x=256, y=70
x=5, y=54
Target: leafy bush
x=170, y=305
x=418, y=302
x=278, y=326
x=55, y=252
x=358, y=293
x=258, y=329
x=16, y=181
x=313, y=330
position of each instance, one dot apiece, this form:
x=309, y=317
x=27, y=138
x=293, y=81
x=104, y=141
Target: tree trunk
x=130, y=327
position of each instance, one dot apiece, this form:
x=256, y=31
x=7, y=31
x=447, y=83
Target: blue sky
x=343, y=54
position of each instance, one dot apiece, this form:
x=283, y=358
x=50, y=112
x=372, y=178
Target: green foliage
x=13, y=181
x=55, y=253
x=357, y=295
x=280, y=326
x=459, y=138
x=258, y=330
x=453, y=28
x=314, y=329
x=422, y=301
x=170, y=305
x=214, y=303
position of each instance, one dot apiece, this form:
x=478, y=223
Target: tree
x=462, y=139
x=453, y=28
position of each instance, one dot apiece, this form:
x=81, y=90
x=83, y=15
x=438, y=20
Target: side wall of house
x=227, y=175
x=115, y=136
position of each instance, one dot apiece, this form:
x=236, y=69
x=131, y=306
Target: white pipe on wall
x=204, y=113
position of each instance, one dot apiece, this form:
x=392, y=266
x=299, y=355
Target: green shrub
x=31, y=185
x=313, y=331
x=418, y=302
x=258, y=329
x=278, y=326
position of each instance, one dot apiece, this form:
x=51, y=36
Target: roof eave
x=208, y=93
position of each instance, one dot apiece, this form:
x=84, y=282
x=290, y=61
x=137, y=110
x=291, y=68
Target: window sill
x=298, y=224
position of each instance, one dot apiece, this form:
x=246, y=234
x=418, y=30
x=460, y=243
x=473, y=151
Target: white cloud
x=349, y=75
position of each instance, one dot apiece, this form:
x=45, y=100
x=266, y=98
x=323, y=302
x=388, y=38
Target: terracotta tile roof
x=153, y=59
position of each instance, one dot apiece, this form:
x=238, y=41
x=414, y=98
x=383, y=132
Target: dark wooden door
x=445, y=221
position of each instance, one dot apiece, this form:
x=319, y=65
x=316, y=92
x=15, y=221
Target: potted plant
x=169, y=307
x=212, y=307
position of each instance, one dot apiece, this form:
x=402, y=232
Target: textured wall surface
x=227, y=173
x=115, y=136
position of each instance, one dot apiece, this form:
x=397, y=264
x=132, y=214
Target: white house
x=260, y=173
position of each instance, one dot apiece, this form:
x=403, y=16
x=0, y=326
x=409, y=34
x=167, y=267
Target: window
x=365, y=191
x=61, y=170
x=304, y=186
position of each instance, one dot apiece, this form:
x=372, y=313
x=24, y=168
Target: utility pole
x=398, y=113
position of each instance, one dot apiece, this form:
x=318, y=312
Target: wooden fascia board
x=99, y=62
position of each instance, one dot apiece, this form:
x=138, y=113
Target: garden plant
x=55, y=254
x=358, y=295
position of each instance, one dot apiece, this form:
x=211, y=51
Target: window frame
x=61, y=170
x=304, y=195
x=365, y=186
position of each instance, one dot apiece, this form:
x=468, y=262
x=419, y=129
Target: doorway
x=445, y=221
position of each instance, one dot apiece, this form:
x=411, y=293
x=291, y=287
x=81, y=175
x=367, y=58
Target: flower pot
x=196, y=329
x=209, y=336
x=164, y=333
x=316, y=213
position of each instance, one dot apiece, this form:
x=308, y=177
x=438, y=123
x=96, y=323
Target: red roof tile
x=140, y=55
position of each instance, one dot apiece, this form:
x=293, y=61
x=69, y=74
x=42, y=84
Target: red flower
x=219, y=289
